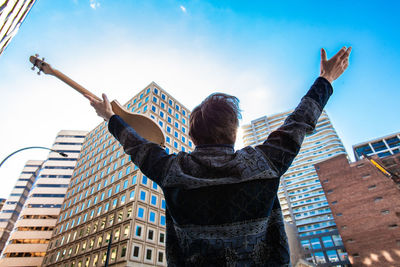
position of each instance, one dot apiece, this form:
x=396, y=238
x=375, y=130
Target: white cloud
x=183, y=9
x=94, y=4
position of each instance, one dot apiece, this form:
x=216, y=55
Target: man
x=222, y=206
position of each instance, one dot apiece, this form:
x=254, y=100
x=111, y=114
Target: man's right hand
x=331, y=69
x=103, y=108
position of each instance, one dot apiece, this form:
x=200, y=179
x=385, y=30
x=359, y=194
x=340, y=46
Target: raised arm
x=282, y=145
x=149, y=157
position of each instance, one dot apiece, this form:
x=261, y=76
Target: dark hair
x=215, y=120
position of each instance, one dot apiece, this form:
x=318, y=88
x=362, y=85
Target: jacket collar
x=215, y=147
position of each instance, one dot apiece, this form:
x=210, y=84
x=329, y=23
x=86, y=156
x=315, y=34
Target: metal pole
x=30, y=147
x=108, y=250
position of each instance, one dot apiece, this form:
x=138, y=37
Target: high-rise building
x=29, y=239
x=365, y=202
x=382, y=147
x=12, y=14
x=111, y=209
x=13, y=206
x=300, y=193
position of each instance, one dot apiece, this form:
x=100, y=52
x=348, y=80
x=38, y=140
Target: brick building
x=366, y=207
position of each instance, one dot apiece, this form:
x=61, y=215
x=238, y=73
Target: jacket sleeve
x=282, y=145
x=151, y=159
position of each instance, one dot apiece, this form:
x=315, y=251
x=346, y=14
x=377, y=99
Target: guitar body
x=143, y=125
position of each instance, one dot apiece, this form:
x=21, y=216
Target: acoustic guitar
x=143, y=125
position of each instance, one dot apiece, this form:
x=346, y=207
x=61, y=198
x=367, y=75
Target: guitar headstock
x=41, y=65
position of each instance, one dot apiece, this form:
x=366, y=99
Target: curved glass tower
x=300, y=194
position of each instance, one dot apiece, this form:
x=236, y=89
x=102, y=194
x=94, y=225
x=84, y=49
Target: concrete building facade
x=29, y=239
x=366, y=205
x=111, y=209
x=14, y=204
x=301, y=196
x=382, y=147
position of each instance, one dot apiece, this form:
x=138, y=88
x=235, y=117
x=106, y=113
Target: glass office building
x=300, y=193
x=382, y=147
x=111, y=209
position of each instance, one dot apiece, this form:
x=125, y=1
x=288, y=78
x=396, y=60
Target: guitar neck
x=73, y=84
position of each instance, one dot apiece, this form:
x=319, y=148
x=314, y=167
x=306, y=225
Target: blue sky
x=265, y=52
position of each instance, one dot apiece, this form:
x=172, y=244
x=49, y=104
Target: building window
x=142, y=195
x=138, y=231
x=315, y=243
x=160, y=256
x=132, y=195
x=384, y=212
x=327, y=240
x=150, y=234
x=140, y=213
x=153, y=200
x=144, y=180
x=123, y=252
x=152, y=217
x=162, y=220
x=149, y=254
x=155, y=186
x=162, y=238
x=136, y=251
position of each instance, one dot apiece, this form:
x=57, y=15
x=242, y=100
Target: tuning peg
x=38, y=73
x=36, y=55
x=33, y=67
x=42, y=58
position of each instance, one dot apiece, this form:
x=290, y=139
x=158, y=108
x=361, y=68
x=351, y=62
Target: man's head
x=215, y=120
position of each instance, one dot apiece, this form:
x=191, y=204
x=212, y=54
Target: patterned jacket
x=222, y=207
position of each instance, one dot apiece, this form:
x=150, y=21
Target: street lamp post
x=31, y=147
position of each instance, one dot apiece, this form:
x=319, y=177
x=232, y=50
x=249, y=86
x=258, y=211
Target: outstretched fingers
x=323, y=55
x=346, y=54
x=340, y=53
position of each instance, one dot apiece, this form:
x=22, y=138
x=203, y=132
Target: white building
x=300, y=194
x=29, y=239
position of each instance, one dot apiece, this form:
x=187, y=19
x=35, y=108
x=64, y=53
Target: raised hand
x=103, y=108
x=331, y=69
